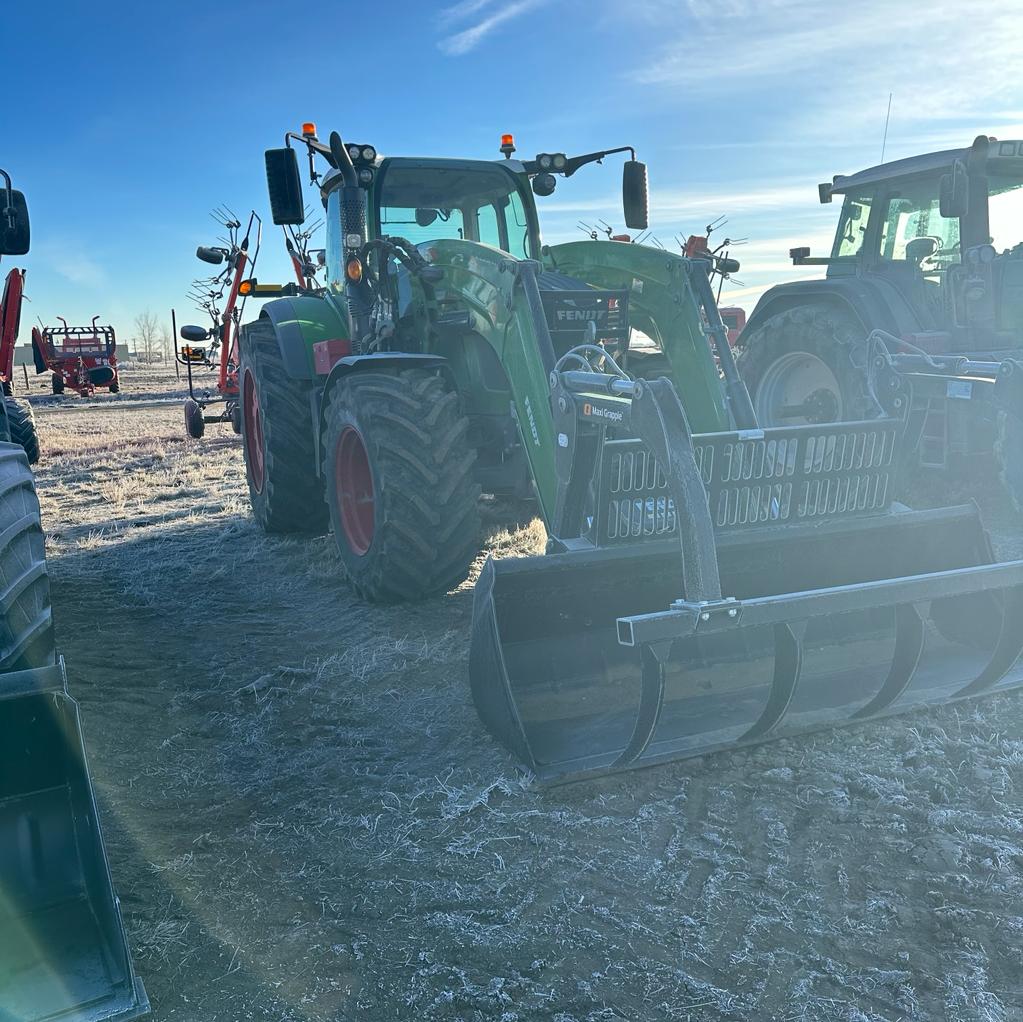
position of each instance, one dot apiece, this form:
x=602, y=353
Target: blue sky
x=127, y=122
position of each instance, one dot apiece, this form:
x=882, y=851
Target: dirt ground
x=306, y=820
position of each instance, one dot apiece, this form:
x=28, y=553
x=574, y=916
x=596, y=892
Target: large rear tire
x=799, y=368
x=398, y=469
x=277, y=437
x=1009, y=454
x=23, y=427
x=26, y=622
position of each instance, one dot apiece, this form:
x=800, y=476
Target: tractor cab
x=939, y=239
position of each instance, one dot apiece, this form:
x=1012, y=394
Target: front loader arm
x=502, y=299
x=662, y=304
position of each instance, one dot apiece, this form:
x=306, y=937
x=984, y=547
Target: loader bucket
x=578, y=664
x=63, y=953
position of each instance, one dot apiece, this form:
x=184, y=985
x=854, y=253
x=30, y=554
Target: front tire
x=23, y=427
x=57, y=383
x=799, y=368
x=277, y=437
x=398, y=469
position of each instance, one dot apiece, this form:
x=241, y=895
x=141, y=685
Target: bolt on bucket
x=63, y=952
x=586, y=662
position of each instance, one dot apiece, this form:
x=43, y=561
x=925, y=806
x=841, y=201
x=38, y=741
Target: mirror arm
x=573, y=164
x=313, y=146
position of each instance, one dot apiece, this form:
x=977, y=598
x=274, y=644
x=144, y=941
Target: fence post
x=174, y=341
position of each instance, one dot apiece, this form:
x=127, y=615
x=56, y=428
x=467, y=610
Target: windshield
x=426, y=200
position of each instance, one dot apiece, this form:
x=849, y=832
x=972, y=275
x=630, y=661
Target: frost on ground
x=307, y=821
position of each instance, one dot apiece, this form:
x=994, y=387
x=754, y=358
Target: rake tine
x=651, y=702
x=1008, y=648
x=788, y=665
x=909, y=646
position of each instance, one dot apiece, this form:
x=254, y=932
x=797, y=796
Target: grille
x=773, y=476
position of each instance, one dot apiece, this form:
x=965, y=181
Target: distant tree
x=148, y=339
x=166, y=342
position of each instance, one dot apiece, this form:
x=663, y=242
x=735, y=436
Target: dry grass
x=306, y=820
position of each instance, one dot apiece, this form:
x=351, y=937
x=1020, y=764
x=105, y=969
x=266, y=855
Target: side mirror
x=425, y=217
x=14, y=227
x=194, y=333
x=635, y=201
x=284, y=186
x=210, y=255
x=954, y=193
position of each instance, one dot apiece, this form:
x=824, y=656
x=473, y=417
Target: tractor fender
x=874, y=304
x=298, y=324
x=380, y=361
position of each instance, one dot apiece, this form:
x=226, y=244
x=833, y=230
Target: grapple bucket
x=833, y=605
x=63, y=953
x=559, y=680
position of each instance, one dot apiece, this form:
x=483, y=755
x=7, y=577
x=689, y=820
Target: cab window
x=852, y=227
x=1005, y=211
x=914, y=231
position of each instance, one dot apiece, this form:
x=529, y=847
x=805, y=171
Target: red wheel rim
x=353, y=482
x=255, y=455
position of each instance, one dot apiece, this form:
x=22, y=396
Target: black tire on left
x=23, y=427
x=26, y=622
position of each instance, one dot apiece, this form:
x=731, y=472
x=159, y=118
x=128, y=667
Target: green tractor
x=707, y=582
x=928, y=257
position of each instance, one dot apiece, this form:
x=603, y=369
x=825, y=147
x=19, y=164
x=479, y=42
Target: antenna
x=887, y=118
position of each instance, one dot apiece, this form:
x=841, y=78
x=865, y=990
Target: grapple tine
x=788, y=665
x=1008, y=648
x=909, y=647
x=651, y=703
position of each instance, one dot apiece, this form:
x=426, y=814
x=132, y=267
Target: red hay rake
x=222, y=297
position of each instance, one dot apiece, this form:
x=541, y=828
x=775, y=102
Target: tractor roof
x=922, y=165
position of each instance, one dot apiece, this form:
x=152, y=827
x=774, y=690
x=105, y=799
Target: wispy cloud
x=493, y=16
x=829, y=67
x=464, y=9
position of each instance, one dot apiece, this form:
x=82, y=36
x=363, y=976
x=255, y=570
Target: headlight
x=369, y=154
x=559, y=161
x=365, y=176
x=353, y=152
x=544, y=184
x=544, y=161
